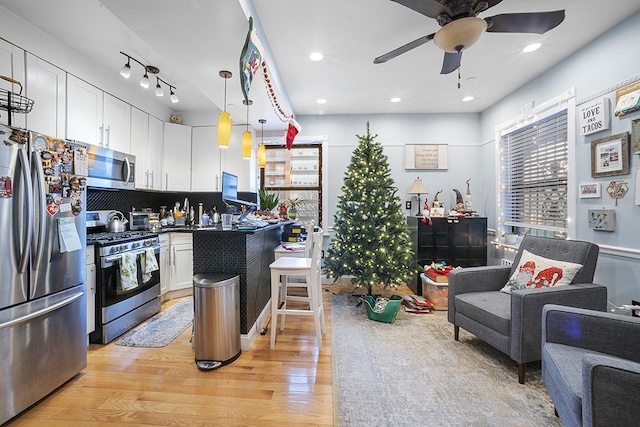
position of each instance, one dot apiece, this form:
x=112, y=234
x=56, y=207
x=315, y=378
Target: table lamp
x=418, y=189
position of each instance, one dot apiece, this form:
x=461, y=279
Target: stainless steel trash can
x=216, y=319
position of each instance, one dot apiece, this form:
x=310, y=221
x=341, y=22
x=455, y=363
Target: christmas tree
x=371, y=241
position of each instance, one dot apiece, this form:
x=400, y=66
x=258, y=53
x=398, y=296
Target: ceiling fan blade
x=451, y=62
x=430, y=8
x=535, y=22
x=402, y=49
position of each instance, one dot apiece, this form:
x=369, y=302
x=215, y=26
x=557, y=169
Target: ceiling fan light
x=460, y=34
x=247, y=144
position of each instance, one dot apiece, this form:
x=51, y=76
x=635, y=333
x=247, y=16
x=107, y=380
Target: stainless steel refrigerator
x=43, y=339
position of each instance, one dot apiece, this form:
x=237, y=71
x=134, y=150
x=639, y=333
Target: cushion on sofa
x=488, y=308
x=535, y=271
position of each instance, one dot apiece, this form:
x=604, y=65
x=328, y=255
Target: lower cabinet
x=458, y=242
x=181, y=254
x=165, y=263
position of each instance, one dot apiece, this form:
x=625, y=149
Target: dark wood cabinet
x=458, y=242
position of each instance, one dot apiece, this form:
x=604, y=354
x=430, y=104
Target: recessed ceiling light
x=396, y=99
x=321, y=101
x=532, y=47
x=467, y=99
x=316, y=56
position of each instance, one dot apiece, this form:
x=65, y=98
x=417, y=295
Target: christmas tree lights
x=371, y=241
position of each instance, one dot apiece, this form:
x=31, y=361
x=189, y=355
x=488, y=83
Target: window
x=296, y=173
x=534, y=174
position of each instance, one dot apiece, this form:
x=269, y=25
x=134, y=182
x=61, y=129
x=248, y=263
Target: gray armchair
x=591, y=366
x=512, y=323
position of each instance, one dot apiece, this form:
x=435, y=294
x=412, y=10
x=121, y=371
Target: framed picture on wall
x=590, y=190
x=610, y=156
x=635, y=136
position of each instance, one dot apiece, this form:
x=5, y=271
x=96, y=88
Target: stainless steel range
x=119, y=308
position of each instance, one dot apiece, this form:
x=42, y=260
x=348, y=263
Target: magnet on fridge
x=5, y=186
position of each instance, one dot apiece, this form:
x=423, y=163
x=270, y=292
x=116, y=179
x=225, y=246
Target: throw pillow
x=536, y=272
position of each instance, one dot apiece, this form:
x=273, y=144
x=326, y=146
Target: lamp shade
x=247, y=144
x=460, y=34
x=262, y=155
x=418, y=188
x=224, y=129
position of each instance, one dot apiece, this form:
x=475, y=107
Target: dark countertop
x=218, y=228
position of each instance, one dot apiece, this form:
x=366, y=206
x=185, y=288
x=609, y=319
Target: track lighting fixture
x=125, y=72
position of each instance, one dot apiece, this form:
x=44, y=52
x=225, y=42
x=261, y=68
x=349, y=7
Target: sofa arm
x=592, y=330
x=526, y=314
x=610, y=391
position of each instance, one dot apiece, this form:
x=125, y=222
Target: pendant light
x=224, y=120
x=247, y=138
x=262, y=149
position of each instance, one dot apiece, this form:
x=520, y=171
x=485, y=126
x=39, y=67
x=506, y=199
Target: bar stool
x=305, y=252
x=309, y=268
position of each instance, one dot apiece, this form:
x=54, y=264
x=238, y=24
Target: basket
x=390, y=312
x=14, y=102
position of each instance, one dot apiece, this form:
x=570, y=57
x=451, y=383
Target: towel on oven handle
x=148, y=263
x=128, y=271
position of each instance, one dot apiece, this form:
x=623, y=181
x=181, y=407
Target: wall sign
x=594, y=116
x=627, y=99
x=426, y=156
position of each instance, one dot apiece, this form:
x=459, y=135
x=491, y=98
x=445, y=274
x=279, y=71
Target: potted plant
x=268, y=201
x=292, y=204
x=510, y=238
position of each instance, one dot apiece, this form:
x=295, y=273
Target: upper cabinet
x=12, y=65
x=95, y=117
x=177, y=158
x=205, y=159
x=47, y=86
x=147, y=135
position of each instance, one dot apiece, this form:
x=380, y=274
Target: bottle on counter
x=215, y=216
x=170, y=220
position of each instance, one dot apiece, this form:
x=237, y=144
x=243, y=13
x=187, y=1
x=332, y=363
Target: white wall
x=603, y=64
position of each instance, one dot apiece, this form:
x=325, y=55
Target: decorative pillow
x=537, y=272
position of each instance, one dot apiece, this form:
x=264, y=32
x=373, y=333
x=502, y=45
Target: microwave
x=140, y=220
x=110, y=169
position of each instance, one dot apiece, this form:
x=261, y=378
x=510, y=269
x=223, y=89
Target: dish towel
x=148, y=263
x=128, y=271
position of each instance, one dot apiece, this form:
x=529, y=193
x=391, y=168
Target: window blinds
x=533, y=176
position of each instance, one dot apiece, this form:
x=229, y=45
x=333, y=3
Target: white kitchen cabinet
x=91, y=290
x=155, y=152
x=181, y=246
x=176, y=164
x=12, y=65
x=231, y=161
x=95, y=117
x=116, y=122
x=165, y=263
x=47, y=87
x=140, y=147
x=205, y=159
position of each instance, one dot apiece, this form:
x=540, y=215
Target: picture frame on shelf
x=610, y=156
x=590, y=190
x=635, y=136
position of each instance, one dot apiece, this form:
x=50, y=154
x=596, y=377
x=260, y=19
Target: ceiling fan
x=461, y=27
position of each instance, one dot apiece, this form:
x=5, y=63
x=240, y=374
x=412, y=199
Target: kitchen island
x=246, y=253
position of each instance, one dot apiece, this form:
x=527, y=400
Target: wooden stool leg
x=315, y=307
x=283, y=300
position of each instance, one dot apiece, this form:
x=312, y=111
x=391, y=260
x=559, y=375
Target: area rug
x=161, y=329
x=413, y=373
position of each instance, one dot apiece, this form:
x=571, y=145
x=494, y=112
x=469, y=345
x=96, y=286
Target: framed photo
x=635, y=136
x=610, y=156
x=590, y=190
x=602, y=219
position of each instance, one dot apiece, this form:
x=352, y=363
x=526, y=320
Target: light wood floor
x=128, y=386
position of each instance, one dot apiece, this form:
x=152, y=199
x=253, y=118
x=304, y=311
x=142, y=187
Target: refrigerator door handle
x=37, y=177
x=41, y=312
x=27, y=229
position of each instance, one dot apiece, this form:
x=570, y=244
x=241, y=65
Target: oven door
x=110, y=285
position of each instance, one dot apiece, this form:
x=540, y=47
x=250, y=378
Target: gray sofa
x=591, y=366
x=512, y=323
